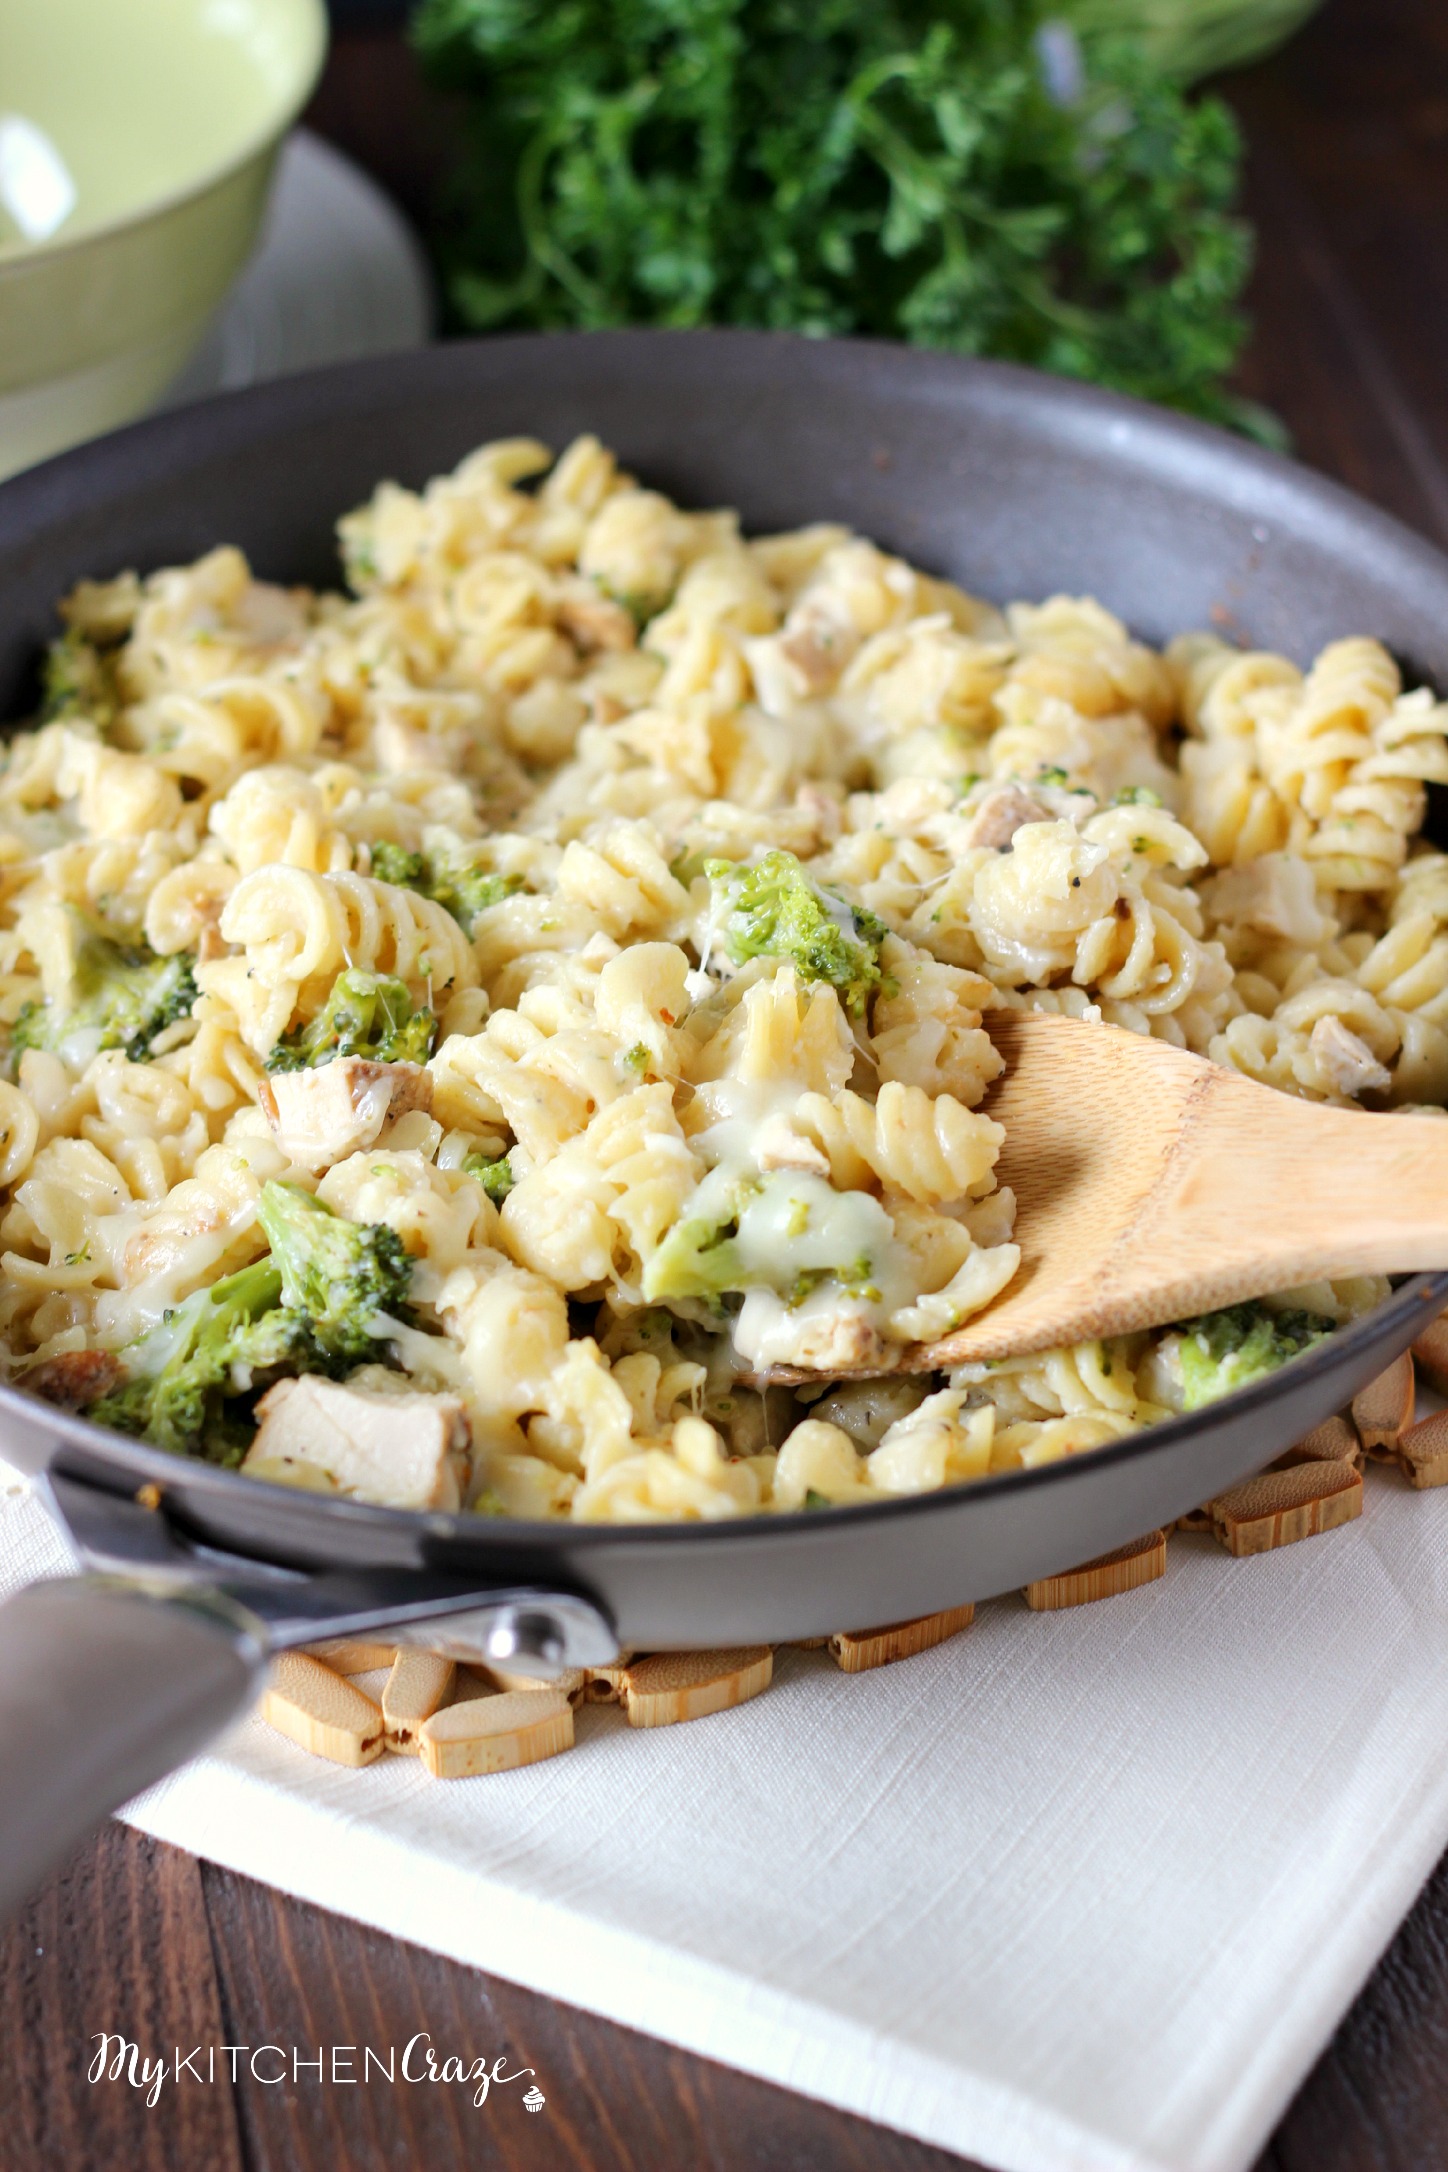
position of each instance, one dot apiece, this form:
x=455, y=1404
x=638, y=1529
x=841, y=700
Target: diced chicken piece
x=1000, y=814
x=1346, y=1062
x=818, y=644
x=399, y=746
x=832, y=1336
x=1276, y=894
x=824, y=810
x=271, y=618
x=402, y=1451
x=592, y=620
x=777, y=1145
x=75, y=1379
x=321, y=1116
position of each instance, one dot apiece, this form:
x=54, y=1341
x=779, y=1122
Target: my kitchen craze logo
x=117, y=2059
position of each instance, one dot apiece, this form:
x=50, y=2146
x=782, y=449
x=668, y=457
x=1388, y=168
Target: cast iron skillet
x=1015, y=485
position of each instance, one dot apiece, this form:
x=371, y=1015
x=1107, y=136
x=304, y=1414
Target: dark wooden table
x=1349, y=186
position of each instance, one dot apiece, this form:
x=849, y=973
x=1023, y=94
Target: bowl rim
x=16, y=257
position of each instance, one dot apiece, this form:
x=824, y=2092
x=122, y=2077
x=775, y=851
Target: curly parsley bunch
x=959, y=173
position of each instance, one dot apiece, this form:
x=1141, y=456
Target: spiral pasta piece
x=929, y=1149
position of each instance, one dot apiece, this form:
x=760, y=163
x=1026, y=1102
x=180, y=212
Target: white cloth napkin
x=1083, y=1892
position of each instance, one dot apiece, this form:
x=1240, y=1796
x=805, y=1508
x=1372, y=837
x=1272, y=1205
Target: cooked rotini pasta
x=551, y=981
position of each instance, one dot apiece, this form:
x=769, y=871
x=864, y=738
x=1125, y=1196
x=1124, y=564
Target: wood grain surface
x=1349, y=185
x=1152, y=1185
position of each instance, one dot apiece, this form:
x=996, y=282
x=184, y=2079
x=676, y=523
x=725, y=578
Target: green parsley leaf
x=919, y=169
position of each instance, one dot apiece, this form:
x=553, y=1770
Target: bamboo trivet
x=1279, y=1507
x=1423, y=1451
x=856, y=1651
x=470, y=1720
x=1384, y=1410
x=1430, y=1354
x=1336, y=1440
x=1127, y=1569
x=322, y=1712
x=417, y=1687
x=674, y=1686
x=496, y=1734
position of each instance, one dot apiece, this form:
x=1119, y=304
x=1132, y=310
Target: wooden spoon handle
x=1153, y=1185
x=1293, y=1193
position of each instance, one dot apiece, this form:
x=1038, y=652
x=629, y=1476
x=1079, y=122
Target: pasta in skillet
x=466, y=1035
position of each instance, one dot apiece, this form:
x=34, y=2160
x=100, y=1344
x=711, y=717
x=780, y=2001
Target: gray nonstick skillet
x=1013, y=484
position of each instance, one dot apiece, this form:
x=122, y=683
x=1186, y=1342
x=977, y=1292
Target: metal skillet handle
x=106, y=1684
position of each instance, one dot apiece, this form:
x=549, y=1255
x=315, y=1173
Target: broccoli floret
x=460, y=884
x=687, y=867
x=359, y=559
x=77, y=681
x=395, y=864
x=466, y=890
x=321, y=1303
x=494, y=1172
x=1224, y=1350
x=787, y=1232
x=216, y=1343
x=125, y=997
x=366, y=1014
x=856, y=1279
x=347, y=1280
x=699, y=1258
x=774, y=909
x=640, y=604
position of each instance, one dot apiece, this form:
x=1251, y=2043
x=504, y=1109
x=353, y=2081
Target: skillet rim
x=144, y=1464
x=198, y=426
x=1153, y=441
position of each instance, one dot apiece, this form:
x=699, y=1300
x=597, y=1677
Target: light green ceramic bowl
x=137, y=139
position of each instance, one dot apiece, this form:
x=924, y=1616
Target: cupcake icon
x=535, y=2100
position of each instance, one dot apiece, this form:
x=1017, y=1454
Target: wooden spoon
x=1151, y=1185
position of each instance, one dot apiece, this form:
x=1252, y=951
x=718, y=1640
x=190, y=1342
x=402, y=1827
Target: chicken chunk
x=1275, y=894
x=402, y=1451
x=1000, y=814
x=1346, y=1062
x=779, y=1146
x=592, y=620
x=826, y=1334
x=321, y=1116
x=819, y=644
x=75, y=1379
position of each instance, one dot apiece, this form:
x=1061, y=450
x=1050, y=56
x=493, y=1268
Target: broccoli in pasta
x=367, y=1015
x=350, y=1283
x=450, y=876
x=215, y=1346
x=122, y=996
x=494, y=1172
x=324, y=1300
x=773, y=909
x=789, y=1233
x=77, y=681
x=517, y=1037
x=1225, y=1350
